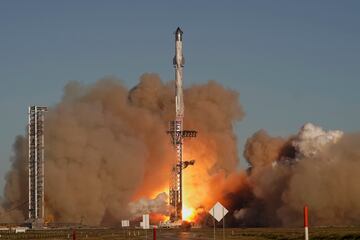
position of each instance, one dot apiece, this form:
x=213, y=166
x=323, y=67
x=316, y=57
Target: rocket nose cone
x=178, y=30
x=178, y=34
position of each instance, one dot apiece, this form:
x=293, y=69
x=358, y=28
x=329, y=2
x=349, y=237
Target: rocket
x=178, y=134
x=176, y=131
x=178, y=62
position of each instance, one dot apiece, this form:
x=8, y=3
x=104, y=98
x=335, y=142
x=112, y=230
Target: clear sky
x=292, y=61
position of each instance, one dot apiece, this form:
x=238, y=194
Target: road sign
x=125, y=223
x=145, y=222
x=218, y=211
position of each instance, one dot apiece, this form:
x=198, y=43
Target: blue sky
x=292, y=61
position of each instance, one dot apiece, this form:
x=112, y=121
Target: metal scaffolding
x=175, y=191
x=36, y=163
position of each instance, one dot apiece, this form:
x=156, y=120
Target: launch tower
x=36, y=164
x=178, y=134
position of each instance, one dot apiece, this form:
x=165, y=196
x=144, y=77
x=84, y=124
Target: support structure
x=36, y=164
x=178, y=134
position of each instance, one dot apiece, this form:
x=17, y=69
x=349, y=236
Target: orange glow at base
x=188, y=214
x=158, y=217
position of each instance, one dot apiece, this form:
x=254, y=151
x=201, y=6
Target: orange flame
x=188, y=214
x=204, y=184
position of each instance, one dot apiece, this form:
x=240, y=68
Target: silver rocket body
x=179, y=64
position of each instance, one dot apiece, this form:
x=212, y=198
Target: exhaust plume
x=106, y=147
x=314, y=167
x=158, y=205
x=107, y=155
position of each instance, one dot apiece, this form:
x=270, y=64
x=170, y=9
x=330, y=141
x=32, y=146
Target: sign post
x=124, y=224
x=214, y=223
x=223, y=224
x=218, y=211
x=145, y=224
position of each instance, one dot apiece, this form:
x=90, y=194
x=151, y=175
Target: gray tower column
x=36, y=164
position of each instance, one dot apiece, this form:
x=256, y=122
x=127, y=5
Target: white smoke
x=146, y=205
x=316, y=167
x=311, y=139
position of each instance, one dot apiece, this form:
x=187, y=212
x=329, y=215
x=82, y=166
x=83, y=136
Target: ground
x=167, y=234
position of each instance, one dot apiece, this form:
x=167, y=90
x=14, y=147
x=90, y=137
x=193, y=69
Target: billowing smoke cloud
x=261, y=149
x=108, y=156
x=157, y=205
x=312, y=139
x=15, y=200
x=314, y=167
x=106, y=146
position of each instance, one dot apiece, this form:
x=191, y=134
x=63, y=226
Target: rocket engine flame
x=188, y=213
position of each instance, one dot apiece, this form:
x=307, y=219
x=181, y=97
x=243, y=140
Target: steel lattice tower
x=36, y=164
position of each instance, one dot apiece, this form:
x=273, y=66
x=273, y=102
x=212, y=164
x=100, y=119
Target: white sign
x=218, y=211
x=125, y=223
x=145, y=222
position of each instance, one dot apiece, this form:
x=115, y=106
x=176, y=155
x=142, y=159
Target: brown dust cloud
x=108, y=157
